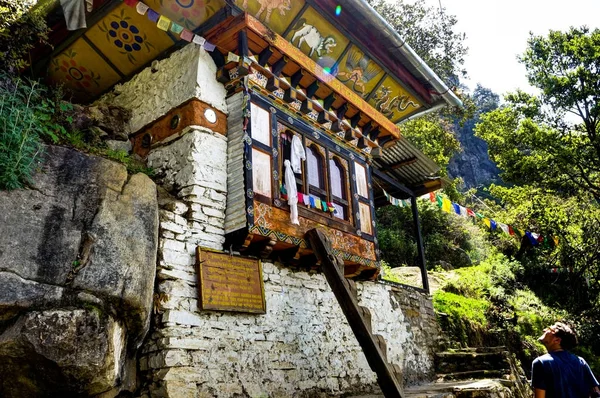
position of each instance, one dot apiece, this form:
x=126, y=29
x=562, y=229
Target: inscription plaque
x=229, y=283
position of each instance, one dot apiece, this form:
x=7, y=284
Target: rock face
x=473, y=163
x=77, y=268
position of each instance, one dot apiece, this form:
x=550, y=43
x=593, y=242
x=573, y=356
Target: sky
x=497, y=32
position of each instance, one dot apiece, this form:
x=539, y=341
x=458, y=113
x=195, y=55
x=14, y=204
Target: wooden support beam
x=381, y=141
x=367, y=128
x=264, y=56
x=312, y=89
x=384, y=177
x=420, y=250
x=361, y=143
x=373, y=134
x=273, y=84
x=296, y=77
x=218, y=58
x=333, y=268
x=349, y=136
x=336, y=126
x=307, y=106
x=328, y=101
x=354, y=120
x=289, y=95
x=341, y=111
x=243, y=43
x=279, y=65
x=323, y=117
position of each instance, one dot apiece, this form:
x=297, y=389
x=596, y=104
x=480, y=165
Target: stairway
x=474, y=372
x=359, y=318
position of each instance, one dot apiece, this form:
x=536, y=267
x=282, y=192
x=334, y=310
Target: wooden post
x=372, y=345
x=421, y=252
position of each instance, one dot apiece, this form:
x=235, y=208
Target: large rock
x=77, y=267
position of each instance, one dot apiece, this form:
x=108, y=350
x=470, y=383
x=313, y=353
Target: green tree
x=552, y=141
x=431, y=32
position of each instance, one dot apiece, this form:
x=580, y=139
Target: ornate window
x=315, y=172
x=339, y=194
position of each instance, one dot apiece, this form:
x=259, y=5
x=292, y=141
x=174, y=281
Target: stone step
x=450, y=362
x=456, y=389
x=473, y=374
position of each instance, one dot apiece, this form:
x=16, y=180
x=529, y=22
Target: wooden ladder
x=358, y=317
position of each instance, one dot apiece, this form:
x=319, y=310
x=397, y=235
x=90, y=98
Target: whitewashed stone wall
x=302, y=346
x=187, y=73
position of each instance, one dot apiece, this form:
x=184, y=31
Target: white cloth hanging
x=292, y=192
x=297, y=153
x=74, y=11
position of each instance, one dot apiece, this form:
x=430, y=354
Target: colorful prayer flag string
x=164, y=23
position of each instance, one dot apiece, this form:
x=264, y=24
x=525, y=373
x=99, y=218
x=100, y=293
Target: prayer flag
x=486, y=221
x=187, y=35
x=446, y=205
x=492, y=225
x=231, y=57
x=431, y=197
x=141, y=8
x=199, y=40
x=463, y=211
x=312, y=202
x=131, y=3
x=163, y=23
x=504, y=228
x=318, y=204
x=153, y=15
x=456, y=208
x=209, y=46
x=176, y=28
x=470, y=213
x=300, y=197
x=532, y=238
x=440, y=201
x=511, y=231
x=306, y=200
x=324, y=204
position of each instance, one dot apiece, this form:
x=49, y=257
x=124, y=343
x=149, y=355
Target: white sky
x=497, y=31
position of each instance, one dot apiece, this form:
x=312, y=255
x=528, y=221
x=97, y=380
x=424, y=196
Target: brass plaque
x=229, y=283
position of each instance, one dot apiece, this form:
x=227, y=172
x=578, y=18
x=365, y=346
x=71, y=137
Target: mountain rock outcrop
x=77, y=267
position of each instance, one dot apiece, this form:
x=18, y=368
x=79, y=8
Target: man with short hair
x=560, y=374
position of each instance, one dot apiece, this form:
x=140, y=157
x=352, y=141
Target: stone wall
x=303, y=345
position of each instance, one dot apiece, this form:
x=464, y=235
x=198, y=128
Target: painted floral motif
x=79, y=76
x=191, y=11
x=126, y=36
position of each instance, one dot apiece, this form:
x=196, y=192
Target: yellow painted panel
x=359, y=72
x=82, y=71
x=393, y=101
x=128, y=39
x=317, y=38
x=276, y=14
x=188, y=13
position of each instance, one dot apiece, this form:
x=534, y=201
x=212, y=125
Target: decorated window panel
x=362, y=187
x=260, y=124
x=315, y=171
x=338, y=176
x=261, y=173
x=366, y=222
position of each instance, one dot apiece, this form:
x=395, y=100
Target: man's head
x=558, y=336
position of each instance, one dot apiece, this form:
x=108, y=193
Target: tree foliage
x=531, y=139
x=431, y=32
x=20, y=32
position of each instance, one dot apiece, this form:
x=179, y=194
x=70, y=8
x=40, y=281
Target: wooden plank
x=372, y=345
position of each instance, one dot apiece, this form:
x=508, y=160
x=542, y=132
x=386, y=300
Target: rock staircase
x=474, y=372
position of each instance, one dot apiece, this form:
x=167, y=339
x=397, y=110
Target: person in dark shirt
x=560, y=374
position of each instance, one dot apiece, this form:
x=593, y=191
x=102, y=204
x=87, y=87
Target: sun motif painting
x=129, y=39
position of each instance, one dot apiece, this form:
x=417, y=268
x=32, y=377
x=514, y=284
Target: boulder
x=77, y=266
